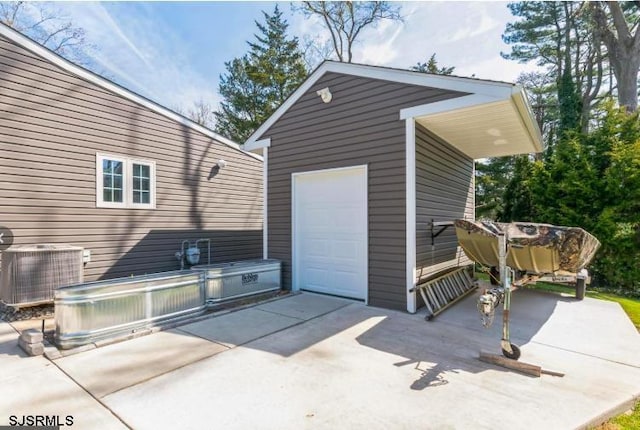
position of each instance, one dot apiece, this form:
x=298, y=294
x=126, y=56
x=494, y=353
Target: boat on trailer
x=531, y=247
x=537, y=249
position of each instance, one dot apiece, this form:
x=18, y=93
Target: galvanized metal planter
x=240, y=278
x=94, y=311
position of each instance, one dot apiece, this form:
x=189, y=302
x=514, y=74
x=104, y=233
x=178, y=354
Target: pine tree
x=491, y=180
x=518, y=198
x=257, y=83
x=432, y=66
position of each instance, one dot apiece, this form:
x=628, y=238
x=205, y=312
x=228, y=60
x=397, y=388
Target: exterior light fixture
x=222, y=164
x=325, y=95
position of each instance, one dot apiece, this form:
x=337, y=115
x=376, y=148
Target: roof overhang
x=481, y=125
x=491, y=120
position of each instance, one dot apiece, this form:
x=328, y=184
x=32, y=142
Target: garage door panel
x=316, y=276
x=316, y=247
x=316, y=219
x=346, y=250
x=343, y=280
x=330, y=232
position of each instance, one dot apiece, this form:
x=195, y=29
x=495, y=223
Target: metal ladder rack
x=443, y=291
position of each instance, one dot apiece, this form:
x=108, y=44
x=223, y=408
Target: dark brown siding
x=360, y=126
x=444, y=192
x=53, y=123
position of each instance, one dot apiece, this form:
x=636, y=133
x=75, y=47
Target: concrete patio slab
x=20, y=326
x=48, y=391
x=589, y=326
x=305, y=306
x=13, y=360
x=35, y=386
x=237, y=328
x=361, y=367
x=353, y=366
x=111, y=368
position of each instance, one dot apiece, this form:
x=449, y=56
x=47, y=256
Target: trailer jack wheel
x=514, y=354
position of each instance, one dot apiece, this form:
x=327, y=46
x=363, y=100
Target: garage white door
x=330, y=232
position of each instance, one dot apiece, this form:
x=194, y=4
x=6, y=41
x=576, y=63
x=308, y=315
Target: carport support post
x=506, y=285
x=410, y=197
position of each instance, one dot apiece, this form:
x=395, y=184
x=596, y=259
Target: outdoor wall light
x=325, y=95
x=222, y=164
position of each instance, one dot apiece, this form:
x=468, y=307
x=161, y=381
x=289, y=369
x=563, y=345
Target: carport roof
x=488, y=119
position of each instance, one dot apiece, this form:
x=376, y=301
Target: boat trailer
x=534, y=249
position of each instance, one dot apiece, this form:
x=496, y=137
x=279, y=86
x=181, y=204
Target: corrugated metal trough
x=94, y=311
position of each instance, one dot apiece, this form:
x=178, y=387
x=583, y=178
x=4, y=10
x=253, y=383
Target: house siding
x=52, y=124
x=444, y=192
x=361, y=126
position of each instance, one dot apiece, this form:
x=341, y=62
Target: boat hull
x=532, y=247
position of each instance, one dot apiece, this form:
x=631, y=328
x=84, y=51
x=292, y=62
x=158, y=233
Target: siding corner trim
x=410, y=178
x=265, y=196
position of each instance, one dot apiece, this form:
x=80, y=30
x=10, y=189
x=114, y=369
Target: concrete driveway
x=310, y=361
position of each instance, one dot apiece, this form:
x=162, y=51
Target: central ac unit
x=30, y=273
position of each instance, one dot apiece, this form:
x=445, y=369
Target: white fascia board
x=519, y=99
x=448, y=105
x=445, y=82
x=410, y=198
x=499, y=90
x=302, y=89
x=93, y=78
x=257, y=144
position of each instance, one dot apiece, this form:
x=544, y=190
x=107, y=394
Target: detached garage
x=361, y=162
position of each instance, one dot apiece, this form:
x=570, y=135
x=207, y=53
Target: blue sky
x=174, y=52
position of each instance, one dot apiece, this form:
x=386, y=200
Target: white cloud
x=380, y=46
x=139, y=53
x=466, y=35
x=149, y=56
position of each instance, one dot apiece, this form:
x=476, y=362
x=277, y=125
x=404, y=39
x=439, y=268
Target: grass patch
x=623, y=422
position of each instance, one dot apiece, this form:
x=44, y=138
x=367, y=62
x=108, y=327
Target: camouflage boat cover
x=532, y=247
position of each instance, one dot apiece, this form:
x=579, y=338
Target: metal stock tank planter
x=95, y=311
x=238, y=279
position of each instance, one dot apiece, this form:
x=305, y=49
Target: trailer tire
x=514, y=355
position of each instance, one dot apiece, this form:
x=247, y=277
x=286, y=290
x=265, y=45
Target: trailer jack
x=491, y=299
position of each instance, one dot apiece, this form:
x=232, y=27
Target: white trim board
x=499, y=90
x=93, y=78
x=448, y=105
x=265, y=209
x=258, y=144
x=410, y=198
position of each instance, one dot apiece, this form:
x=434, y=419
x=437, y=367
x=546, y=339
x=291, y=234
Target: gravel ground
x=10, y=314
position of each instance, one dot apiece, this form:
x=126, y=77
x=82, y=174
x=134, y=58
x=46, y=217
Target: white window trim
x=152, y=184
x=127, y=181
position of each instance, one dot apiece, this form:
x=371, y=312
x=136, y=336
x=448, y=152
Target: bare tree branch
x=48, y=26
x=346, y=20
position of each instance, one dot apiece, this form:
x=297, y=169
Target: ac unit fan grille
x=31, y=275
